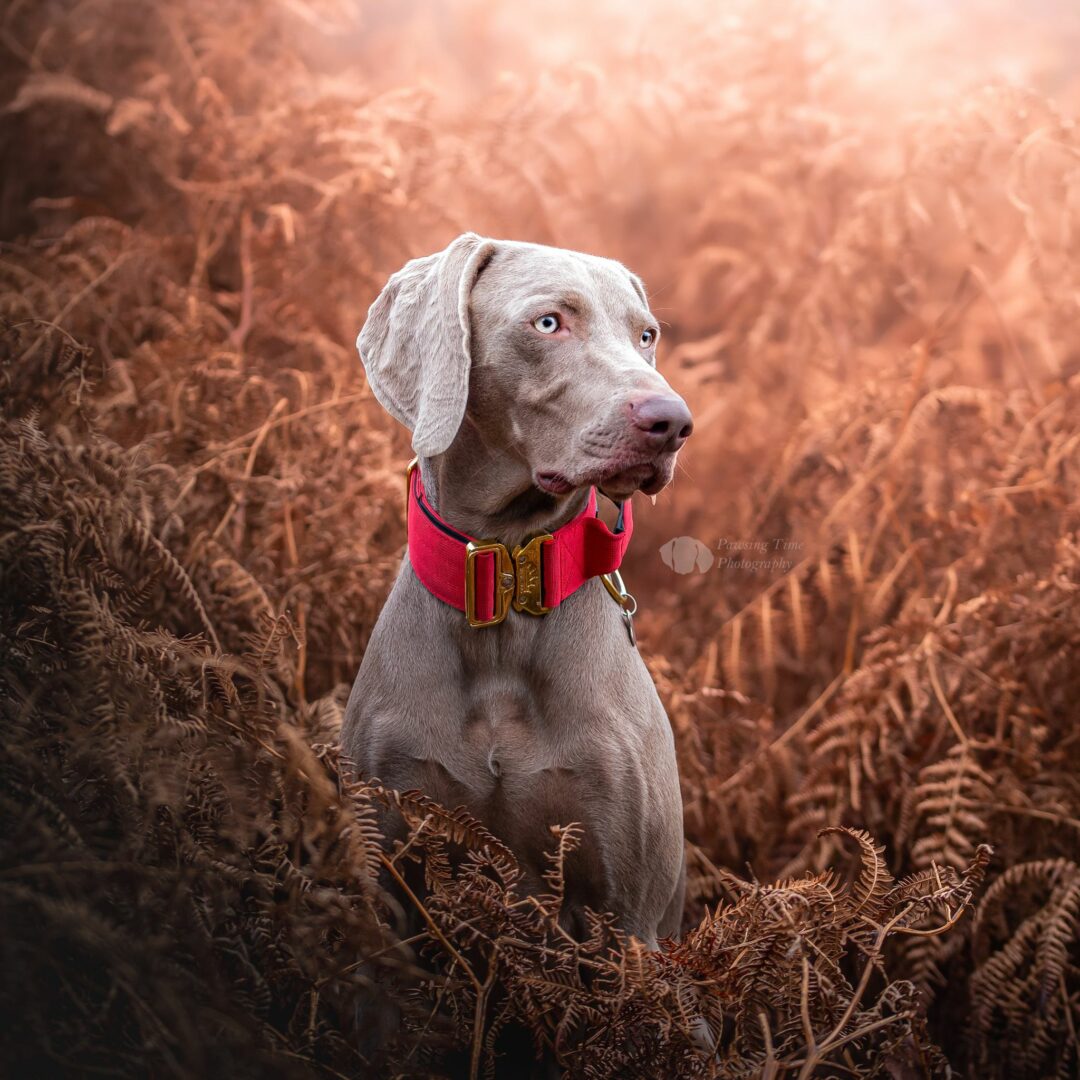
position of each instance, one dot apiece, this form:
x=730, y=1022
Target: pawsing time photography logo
x=688, y=555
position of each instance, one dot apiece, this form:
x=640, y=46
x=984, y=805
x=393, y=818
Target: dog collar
x=485, y=579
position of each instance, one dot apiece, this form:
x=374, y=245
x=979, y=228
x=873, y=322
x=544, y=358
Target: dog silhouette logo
x=685, y=555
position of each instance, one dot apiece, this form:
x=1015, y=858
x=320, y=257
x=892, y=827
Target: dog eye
x=648, y=338
x=547, y=324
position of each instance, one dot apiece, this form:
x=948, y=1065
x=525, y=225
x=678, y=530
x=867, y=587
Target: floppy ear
x=415, y=343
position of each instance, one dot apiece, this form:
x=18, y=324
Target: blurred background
x=860, y=226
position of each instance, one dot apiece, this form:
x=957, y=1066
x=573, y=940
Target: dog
x=500, y=675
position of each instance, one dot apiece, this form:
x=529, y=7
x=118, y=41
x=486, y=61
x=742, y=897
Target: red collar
x=484, y=578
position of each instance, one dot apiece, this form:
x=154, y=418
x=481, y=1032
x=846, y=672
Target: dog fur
x=537, y=721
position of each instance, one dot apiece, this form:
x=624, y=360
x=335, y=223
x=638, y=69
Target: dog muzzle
x=485, y=579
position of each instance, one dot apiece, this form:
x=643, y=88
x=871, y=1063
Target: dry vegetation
x=872, y=298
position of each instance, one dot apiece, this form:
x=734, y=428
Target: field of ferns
x=865, y=250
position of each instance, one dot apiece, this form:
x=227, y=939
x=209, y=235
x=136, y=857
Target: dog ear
x=639, y=288
x=415, y=343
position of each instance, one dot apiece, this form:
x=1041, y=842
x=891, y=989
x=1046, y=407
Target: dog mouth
x=554, y=483
x=616, y=481
x=623, y=483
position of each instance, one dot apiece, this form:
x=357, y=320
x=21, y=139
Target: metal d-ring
x=614, y=584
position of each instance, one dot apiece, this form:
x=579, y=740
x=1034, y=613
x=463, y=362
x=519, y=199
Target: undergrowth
x=200, y=515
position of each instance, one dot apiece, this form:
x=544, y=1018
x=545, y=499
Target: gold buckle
x=528, y=595
x=518, y=579
x=504, y=581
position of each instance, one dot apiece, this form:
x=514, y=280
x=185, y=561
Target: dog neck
x=487, y=492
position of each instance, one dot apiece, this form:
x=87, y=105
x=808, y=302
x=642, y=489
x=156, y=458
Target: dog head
x=548, y=356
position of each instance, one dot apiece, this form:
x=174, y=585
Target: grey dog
x=527, y=374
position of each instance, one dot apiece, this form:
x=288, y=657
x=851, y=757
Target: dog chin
x=649, y=477
x=617, y=484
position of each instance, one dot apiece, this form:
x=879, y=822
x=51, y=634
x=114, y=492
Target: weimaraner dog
x=527, y=375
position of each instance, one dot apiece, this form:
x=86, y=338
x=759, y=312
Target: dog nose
x=663, y=422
